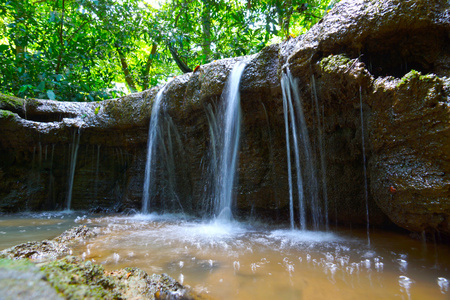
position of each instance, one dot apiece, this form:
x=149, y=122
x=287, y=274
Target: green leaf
x=4, y=48
x=41, y=86
x=51, y=95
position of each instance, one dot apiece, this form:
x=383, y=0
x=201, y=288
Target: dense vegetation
x=81, y=50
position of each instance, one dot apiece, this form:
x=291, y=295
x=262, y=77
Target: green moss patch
x=333, y=62
x=76, y=279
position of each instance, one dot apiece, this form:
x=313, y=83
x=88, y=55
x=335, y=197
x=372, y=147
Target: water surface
x=26, y=227
x=253, y=261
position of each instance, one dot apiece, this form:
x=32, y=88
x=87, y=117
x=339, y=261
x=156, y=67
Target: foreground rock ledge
x=49, y=276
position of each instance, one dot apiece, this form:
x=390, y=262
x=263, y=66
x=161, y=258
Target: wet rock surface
x=388, y=57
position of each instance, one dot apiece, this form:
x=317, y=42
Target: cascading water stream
x=151, y=149
x=229, y=123
x=73, y=163
x=366, y=195
x=289, y=111
x=321, y=150
x=293, y=107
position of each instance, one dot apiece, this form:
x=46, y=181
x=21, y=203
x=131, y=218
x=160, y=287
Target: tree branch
x=126, y=71
x=148, y=65
x=183, y=67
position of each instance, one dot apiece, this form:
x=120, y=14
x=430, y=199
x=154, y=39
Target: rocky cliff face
x=384, y=61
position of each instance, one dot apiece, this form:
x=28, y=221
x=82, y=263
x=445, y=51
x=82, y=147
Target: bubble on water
x=308, y=258
x=181, y=278
x=253, y=266
x=331, y=267
x=405, y=284
x=236, y=265
x=181, y=264
x=367, y=264
x=403, y=264
x=378, y=264
x=443, y=284
x=349, y=270
x=329, y=257
x=116, y=257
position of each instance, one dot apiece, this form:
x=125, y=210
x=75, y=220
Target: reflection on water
x=245, y=261
x=21, y=228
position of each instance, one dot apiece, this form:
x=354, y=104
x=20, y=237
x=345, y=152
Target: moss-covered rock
x=21, y=279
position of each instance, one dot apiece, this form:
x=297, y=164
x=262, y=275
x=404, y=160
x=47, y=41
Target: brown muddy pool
x=254, y=261
x=25, y=227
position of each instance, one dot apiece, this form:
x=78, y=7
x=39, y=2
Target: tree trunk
x=128, y=78
x=183, y=67
x=206, y=26
x=61, y=39
x=147, y=67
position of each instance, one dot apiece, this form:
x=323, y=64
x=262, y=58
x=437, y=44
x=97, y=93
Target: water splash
x=73, y=163
x=151, y=149
x=229, y=123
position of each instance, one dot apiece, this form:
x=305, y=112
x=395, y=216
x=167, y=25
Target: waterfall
x=321, y=149
x=73, y=163
x=366, y=195
x=167, y=133
x=228, y=124
x=293, y=114
x=286, y=108
x=151, y=149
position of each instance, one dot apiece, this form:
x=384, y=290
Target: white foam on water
x=306, y=236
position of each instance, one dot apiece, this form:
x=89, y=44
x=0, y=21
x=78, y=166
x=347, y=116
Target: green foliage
x=78, y=50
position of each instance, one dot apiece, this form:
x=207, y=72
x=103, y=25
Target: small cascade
x=293, y=113
x=228, y=133
x=51, y=181
x=97, y=164
x=366, y=193
x=209, y=162
x=286, y=109
x=169, y=142
x=321, y=150
x=73, y=163
x=151, y=149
